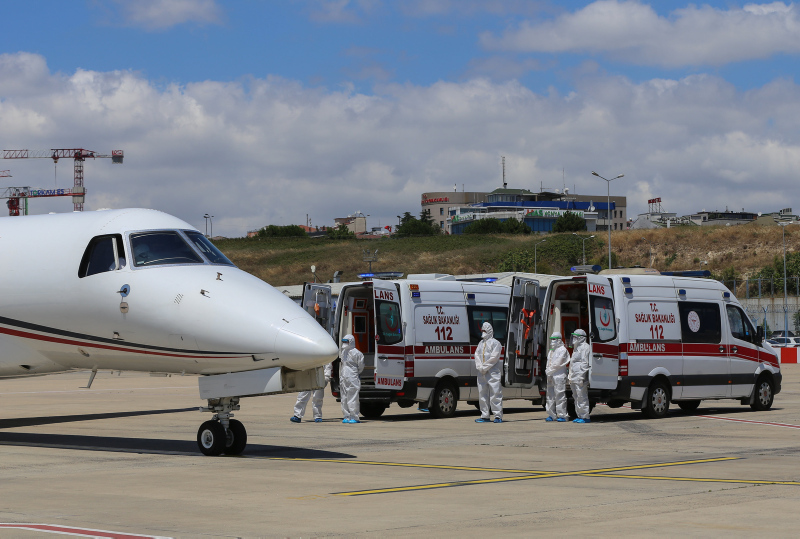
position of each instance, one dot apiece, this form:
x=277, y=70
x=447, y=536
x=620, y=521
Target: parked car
x=781, y=333
x=785, y=342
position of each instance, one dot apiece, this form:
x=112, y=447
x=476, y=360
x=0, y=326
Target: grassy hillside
x=745, y=249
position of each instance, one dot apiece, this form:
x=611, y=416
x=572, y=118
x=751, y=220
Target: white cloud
x=341, y=11
x=163, y=14
x=633, y=32
x=269, y=151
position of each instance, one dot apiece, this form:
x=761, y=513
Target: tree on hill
x=569, y=222
x=411, y=226
x=275, y=231
x=341, y=232
x=774, y=272
x=514, y=226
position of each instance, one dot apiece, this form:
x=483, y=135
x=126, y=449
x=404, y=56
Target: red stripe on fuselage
x=61, y=340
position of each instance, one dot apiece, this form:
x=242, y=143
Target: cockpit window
x=160, y=248
x=104, y=253
x=207, y=248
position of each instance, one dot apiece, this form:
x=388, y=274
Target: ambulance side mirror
x=759, y=335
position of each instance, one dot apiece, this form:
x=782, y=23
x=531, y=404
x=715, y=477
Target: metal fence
x=745, y=289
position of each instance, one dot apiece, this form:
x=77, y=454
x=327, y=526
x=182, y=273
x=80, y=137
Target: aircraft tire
x=211, y=438
x=236, y=438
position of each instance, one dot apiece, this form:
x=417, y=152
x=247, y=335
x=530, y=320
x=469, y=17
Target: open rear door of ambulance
x=604, y=337
x=389, y=336
x=317, y=302
x=522, y=346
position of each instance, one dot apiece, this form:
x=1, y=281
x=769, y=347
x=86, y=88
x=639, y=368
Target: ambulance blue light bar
x=626, y=280
x=629, y=290
x=585, y=269
x=415, y=295
x=470, y=296
x=681, y=292
x=726, y=295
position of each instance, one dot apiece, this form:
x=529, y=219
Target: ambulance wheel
x=689, y=406
x=444, y=400
x=571, y=409
x=235, y=439
x=764, y=394
x=372, y=410
x=657, y=404
x=211, y=438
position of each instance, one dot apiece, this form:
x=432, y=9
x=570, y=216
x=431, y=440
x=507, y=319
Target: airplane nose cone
x=302, y=344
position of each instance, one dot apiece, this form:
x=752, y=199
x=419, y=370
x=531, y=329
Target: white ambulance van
x=655, y=339
x=418, y=336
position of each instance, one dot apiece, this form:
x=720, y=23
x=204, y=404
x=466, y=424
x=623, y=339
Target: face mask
x=483, y=335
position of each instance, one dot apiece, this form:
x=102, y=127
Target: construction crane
x=79, y=155
x=18, y=197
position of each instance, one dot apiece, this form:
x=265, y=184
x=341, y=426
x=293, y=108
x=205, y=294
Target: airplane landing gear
x=222, y=434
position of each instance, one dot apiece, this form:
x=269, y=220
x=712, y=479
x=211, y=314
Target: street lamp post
x=370, y=257
x=583, y=245
x=785, y=308
x=608, y=210
x=208, y=218
x=534, y=255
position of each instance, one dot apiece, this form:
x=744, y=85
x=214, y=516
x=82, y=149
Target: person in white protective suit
x=487, y=361
x=556, y=371
x=315, y=396
x=579, y=375
x=349, y=378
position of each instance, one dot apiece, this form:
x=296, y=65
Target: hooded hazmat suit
x=579, y=375
x=349, y=380
x=487, y=362
x=316, y=397
x=556, y=371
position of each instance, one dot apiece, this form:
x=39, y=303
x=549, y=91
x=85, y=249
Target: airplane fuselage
x=78, y=291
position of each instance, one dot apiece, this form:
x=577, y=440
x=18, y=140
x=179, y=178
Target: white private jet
x=140, y=290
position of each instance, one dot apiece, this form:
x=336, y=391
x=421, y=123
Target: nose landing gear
x=222, y=434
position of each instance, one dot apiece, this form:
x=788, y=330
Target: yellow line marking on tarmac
x=697, y=479
x=410, y=465
x=529, y=477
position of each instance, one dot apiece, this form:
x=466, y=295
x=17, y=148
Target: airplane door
x=317, y=302
x=604, y=361
x=522, y=346
x=389, y=330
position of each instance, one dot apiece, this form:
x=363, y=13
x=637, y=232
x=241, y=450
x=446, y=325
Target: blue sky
x=263, y=112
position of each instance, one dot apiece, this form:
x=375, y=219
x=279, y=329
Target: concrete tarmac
x=121, y=457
